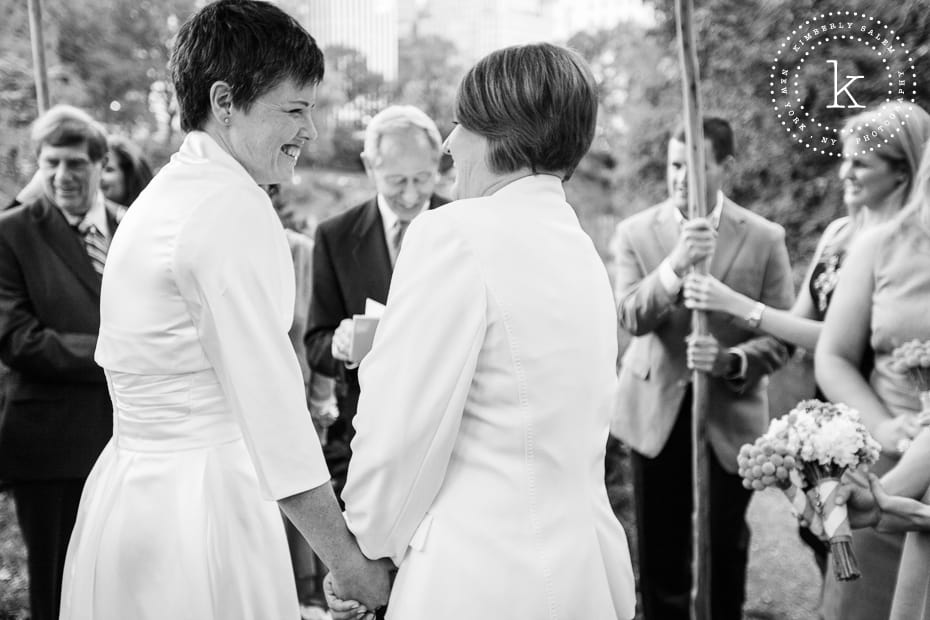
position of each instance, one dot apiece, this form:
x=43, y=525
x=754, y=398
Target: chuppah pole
x=38, y=54
x=697, y=207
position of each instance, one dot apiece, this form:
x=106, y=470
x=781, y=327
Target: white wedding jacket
x=478, y=463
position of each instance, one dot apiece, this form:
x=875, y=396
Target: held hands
x=705, y=292
x=342, y=341
x=696, y=243
x=704, y=353
x=362, y=592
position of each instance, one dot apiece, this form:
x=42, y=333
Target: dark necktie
x=96, y=246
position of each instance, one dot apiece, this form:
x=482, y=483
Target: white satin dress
x=177, y=520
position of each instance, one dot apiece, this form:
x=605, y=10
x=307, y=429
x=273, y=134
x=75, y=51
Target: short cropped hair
x=717, y=130
x=251, y=45
x=535, y=104
x=65, y=125
x=399, y=119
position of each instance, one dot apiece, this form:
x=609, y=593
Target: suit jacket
x=57, y=415
x=750, y=258
x=351, y=262
x=483, y=419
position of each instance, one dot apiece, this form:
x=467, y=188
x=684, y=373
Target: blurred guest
x=879, y=303
x=654, y=251
x=355, y=251
x=125, y=174
x=478, y=464
x=57, y=415
x=181, y=515
x=308, y=571
x=876, y=183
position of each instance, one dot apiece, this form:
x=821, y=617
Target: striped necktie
x=400, y=229
x=96, y=246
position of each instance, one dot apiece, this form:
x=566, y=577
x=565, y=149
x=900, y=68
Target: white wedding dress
x=177, y=520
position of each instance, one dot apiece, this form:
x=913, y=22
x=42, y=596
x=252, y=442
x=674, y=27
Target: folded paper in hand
x=364, y=326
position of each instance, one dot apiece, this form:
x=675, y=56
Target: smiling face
x=469, y=151
x=677, y=174
x=868, y=179
x=268, y=138
x=70, y=179
x=405, y=171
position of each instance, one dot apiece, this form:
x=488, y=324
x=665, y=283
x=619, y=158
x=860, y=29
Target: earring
x=226, y=121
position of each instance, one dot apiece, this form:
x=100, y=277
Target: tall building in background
x=481, y=26
x=369, y=26
x=573, y=16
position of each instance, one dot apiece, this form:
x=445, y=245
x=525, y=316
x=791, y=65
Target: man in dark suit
x=652, y=252
x=355, y=251
x=57, y=415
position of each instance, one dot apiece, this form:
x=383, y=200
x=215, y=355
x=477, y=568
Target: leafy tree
x=428, y=77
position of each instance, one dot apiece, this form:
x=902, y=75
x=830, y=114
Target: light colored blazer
x=750, y=258
x=478, y=462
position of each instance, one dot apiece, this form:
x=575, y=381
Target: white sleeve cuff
x=669, y=279
x=743, y=364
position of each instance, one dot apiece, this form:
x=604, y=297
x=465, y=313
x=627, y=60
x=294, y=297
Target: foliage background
x=94, y=62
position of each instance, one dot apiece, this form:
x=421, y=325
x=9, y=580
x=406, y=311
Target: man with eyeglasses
x=355, y=252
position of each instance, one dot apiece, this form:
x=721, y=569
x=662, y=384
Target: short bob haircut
x=132, y=163
x=65, y=125
x=716, y=130
x=535, y=104
x=251, y=45
x=399, y=119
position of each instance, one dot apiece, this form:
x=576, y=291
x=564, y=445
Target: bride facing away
x=478, y=464
x=177, y=519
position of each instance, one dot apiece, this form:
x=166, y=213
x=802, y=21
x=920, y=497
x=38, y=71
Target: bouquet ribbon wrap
x=804, y=509
x=836, y=528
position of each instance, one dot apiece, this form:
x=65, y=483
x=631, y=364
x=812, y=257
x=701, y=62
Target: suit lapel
x=730, y=237
x=64, y=242
x=370, y=252
x=666, y=228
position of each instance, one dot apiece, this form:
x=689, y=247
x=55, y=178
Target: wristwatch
x=755, y=315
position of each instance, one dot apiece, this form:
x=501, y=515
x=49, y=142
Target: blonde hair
x=906, y=131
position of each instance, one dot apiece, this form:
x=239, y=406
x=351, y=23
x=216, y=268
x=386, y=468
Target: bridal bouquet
x=913, y=358
x=805, y=454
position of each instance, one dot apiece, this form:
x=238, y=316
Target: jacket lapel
x=731, y=233
x=666, y=228
x=65, y=242
x=370, y=252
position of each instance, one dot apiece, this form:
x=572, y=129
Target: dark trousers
x=46, y=512
x=663, y=522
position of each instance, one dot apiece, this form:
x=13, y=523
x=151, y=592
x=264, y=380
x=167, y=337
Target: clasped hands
x=342, y=607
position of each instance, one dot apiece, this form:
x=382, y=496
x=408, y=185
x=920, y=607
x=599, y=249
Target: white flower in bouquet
x=913, y=358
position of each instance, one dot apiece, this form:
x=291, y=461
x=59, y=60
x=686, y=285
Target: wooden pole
x=697, y=207
x=38, y=54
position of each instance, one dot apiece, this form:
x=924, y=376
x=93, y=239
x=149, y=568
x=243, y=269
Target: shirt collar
x=96, y=216
x=714, y=215
x=388, y=217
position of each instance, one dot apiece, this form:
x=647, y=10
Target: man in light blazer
x=57, y=415
x=652, y=251
x=354, y=254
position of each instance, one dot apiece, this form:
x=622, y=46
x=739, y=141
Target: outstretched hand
x=860, y=501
